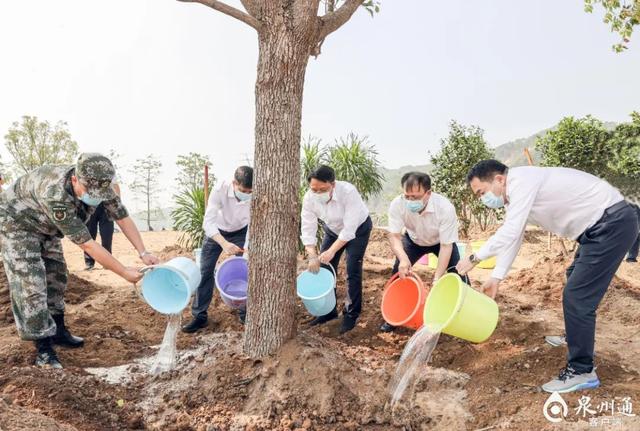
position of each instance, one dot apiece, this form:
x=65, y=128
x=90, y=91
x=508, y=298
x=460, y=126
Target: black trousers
x=601, y=250
x=211, y=252
x=355, y=255
x=100, y=219
x=635, y=247
x=415, y=252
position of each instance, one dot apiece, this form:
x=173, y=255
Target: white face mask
x=323, y=198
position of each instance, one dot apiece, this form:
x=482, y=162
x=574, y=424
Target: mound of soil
x=314, y=383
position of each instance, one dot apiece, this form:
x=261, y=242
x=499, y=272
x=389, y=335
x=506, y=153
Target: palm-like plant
x=356, y=161
x=188, y=217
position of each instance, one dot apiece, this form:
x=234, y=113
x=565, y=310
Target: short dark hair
x=412, y=179
x=244, y=176
x=323, y=173
x=486, y=170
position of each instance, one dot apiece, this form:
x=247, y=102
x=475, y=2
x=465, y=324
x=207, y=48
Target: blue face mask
x=242, y=197
x=92, y=202
x=414, y=206
x=491, y=200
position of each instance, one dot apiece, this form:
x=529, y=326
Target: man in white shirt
x=225, y=226
x=572, y=204
x=431, y=227
x=346, y=224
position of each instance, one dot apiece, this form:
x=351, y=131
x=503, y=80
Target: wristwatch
x=474, y=259
x=143, y=254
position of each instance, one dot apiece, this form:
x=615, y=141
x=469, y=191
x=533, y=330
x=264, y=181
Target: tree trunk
x=283, y=55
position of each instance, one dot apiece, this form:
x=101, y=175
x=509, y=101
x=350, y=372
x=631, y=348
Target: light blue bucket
x=167, y=288
x=317, y=291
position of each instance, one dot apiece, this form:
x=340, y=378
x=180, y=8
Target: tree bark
x=284, y=46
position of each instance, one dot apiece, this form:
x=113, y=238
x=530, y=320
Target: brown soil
x=321, y=380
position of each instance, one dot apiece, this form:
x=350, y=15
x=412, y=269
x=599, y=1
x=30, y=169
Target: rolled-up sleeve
x=214, y=206
x=309, y=222
x=505, y=243
x=353, y=215
x=396, y=224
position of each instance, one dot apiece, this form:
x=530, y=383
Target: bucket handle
x=397, y=275
x=142, y=270
x=464, y=291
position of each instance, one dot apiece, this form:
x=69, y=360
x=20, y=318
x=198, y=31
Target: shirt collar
x=336, y=194
x=430, y=209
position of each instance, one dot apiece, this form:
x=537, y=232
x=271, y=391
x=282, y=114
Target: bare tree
x=289, y=31
x=146, y=173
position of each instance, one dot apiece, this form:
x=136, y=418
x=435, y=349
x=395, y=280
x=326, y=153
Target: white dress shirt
x=225, y=212
x=563, y=201
x=343, y=214
x=437, y=224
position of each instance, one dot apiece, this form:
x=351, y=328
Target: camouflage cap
x=96, y=173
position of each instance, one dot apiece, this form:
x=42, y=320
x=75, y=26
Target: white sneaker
x=569, y=381
x=556, y=340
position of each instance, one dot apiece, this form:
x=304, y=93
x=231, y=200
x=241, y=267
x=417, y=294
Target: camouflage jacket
x=43, y=201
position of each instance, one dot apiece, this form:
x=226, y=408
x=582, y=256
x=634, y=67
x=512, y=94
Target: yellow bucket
x=454, y=308
x=485, y=264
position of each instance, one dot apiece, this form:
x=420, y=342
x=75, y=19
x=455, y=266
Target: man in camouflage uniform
x=36, y=211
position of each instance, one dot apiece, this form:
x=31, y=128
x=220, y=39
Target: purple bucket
x=232, y=279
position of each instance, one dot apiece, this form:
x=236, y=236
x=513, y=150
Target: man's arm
x=130, y=230
x=104, y=258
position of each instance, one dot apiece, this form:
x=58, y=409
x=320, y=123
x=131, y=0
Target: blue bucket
x=317, y=291
x=167, y=288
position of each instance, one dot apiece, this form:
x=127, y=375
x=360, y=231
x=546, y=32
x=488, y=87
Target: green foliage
x=356, y=161
x=463, y=148
x=34, y=143
x=586, y=145
x=576, y=143
x=145, y=185
x=188, y=216
x=622, y=16
x=191, y=171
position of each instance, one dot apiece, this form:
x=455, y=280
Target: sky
x=168, y=78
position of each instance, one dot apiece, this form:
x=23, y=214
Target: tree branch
x=334, y=20
x=228, y=10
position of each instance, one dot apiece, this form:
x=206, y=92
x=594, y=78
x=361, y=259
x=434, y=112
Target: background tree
x=356, y=161
x=145, y=185
x=289, y=31
x=621, y=15
x=463, y=148
x=191, y=171
x=625, y=161
x=577, y=143
x=33, y=143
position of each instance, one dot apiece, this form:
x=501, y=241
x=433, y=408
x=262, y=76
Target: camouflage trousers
x=37, y=275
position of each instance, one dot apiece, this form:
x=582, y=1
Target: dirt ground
x=321, y=380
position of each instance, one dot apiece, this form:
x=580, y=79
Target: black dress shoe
x=63, y=337
x=46, y=356
x=631, y=260
x=387, y=327
x=196, y=324
x=348, y=323
x=324, y=319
